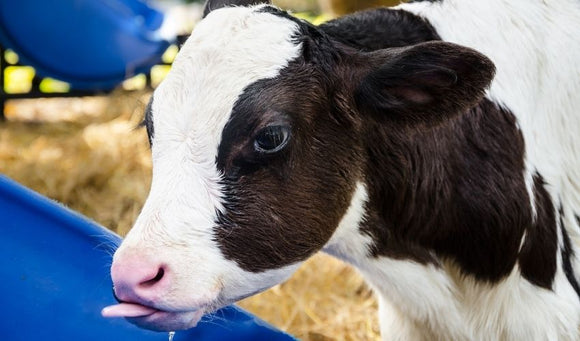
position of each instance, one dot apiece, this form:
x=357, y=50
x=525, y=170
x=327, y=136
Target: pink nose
x=138, y=280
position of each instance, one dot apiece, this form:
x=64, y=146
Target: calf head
x=257, y=151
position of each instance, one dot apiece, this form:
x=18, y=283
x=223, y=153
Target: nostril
x=158, y=276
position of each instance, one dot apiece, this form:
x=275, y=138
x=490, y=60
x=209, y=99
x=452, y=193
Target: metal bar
x=35, y=91
x=39, y=94
x=2, y=85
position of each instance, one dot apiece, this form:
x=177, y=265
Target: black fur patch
x=148, y=121
x=282, y=208
x=537, y=257
x=424, y=1
x=567, y=255
x=455, y=191
x=376, y=29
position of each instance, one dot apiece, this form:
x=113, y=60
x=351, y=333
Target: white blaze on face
x=229, y=50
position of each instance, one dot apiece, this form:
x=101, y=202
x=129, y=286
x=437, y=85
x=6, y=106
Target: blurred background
x=83, y=147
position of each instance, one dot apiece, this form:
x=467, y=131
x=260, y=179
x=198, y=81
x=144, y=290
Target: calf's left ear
x=212, y=5
x=424, y=83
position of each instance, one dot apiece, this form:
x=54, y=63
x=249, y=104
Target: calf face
x=256, y=149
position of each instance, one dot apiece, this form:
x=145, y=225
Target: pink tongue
x=127, y=310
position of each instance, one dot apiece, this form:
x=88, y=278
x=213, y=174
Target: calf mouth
x=159, y=317
x=152, y=318
x=168, y=321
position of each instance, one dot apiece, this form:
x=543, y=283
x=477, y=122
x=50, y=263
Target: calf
x=379, y=138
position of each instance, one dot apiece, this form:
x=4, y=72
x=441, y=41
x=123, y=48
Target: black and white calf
x=381, y=138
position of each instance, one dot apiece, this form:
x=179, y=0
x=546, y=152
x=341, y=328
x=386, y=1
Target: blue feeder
x=55, y=280
x=91, y=44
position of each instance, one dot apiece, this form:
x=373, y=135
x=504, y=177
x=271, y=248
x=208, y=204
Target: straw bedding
x=87, y=154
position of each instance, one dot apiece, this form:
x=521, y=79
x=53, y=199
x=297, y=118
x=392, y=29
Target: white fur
x=229, y=50
x=347, y=243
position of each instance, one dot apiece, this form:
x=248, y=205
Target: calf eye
x=271, y=139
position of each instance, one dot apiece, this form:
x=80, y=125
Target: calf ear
x=212, y=5
x=424, y=83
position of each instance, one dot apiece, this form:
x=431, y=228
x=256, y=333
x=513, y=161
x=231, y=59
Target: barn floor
x=87, y=154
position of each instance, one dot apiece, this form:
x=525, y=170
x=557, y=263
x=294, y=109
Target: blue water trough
x=54, y=280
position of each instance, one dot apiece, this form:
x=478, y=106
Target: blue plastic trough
x=54, y=280
x=92, y=44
